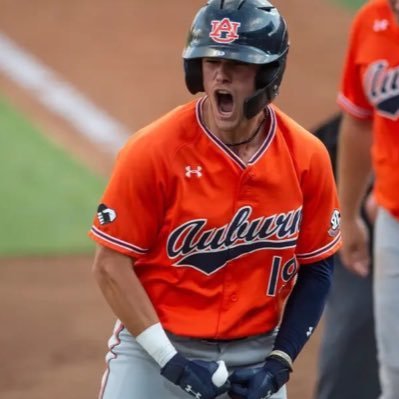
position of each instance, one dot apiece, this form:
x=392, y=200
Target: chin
x=227, y=122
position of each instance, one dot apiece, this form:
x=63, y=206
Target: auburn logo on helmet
x=224, y=31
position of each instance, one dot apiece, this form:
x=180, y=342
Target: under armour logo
x=189, y=389
x=309, y=332
x=196, y=172
x=105, y=215
x=380, y=25
x=224, y=31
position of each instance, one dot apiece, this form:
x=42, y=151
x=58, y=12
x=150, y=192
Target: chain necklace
x=254, y=134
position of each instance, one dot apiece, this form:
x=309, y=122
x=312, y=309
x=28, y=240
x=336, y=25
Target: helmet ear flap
x=267, y=83
x=266, y=74
x=193, y=75
x=269, y=77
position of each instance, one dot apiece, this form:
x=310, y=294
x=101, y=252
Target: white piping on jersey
x=262, y=149
x=113, y=342
x=116, y=241
x=320, y=251
x=352, y=108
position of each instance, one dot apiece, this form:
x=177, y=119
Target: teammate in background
x=214, y=215
x=348, y=317
x=368, y=140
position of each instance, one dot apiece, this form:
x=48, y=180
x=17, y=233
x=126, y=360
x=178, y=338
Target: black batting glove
x=197, y=377
x=260, y=382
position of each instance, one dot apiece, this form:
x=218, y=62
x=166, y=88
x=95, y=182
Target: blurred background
x=76, y=78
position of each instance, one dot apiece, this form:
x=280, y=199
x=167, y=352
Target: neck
x=250, y=138
x=245, y=133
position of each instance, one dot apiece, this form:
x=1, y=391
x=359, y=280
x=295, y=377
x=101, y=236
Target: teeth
x=223, y=92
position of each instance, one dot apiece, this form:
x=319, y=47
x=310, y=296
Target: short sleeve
x=351, y=97
x=319, y=235
x=129, y=216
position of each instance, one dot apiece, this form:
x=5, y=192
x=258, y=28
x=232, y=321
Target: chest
x=213, y=189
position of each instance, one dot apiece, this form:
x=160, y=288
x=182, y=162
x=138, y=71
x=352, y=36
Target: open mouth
x=225, y=102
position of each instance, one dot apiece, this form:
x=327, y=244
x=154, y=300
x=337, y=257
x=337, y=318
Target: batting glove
x=201, y=379
x=260, y=382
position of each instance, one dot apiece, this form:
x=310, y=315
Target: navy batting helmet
x=250, y=31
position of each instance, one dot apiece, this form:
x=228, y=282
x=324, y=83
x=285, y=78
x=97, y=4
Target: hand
x=199, y=378
x=260, y=382
x=354, y=253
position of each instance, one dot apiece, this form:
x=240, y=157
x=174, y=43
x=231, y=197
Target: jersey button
x=234, y=297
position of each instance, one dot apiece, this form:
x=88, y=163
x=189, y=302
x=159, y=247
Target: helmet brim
x=247, y=54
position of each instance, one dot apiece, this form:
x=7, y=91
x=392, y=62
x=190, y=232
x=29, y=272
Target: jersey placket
x=231, y=291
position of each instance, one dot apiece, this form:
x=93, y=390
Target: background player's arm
x=353, y=174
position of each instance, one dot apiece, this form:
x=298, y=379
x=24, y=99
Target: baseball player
x=348, y=318
x=369, y=139
x=217, y=228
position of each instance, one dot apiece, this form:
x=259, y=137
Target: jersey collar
x=224, y=148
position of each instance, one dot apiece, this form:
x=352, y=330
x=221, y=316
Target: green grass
x=351, y=4
x=47, y=200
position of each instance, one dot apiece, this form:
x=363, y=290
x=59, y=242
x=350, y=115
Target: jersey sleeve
x=129, y=216
x=351, y=97
x=319, y=235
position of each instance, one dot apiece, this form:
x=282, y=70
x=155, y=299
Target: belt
x=220, y=340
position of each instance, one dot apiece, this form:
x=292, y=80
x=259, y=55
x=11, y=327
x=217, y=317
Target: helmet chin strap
x=263, y=96
x=255, y=103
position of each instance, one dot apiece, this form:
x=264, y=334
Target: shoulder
x=163, y=137
x=375, y=9
x=369, y=15
x=302, y=144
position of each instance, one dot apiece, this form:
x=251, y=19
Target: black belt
x=219, y=340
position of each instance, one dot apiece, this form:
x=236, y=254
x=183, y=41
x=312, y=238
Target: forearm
x=304, y=306
x=123, y=291
x=129, y=301
x=353, y=164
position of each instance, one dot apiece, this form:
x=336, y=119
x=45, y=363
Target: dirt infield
x=125, y=56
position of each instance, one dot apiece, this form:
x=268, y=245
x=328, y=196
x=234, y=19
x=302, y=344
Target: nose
x=223, y=72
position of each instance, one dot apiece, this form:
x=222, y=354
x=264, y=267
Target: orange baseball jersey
x=370, y=90
x=217, y=243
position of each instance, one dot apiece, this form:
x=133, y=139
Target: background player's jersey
x=199, y=221
x=370, y=89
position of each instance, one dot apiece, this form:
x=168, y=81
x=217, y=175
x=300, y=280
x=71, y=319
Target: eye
x=211, y=60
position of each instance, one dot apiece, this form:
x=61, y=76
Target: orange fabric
x=217, y=243
x=370, y=89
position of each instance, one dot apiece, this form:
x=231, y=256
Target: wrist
x=157, y=344
x=282, y=357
